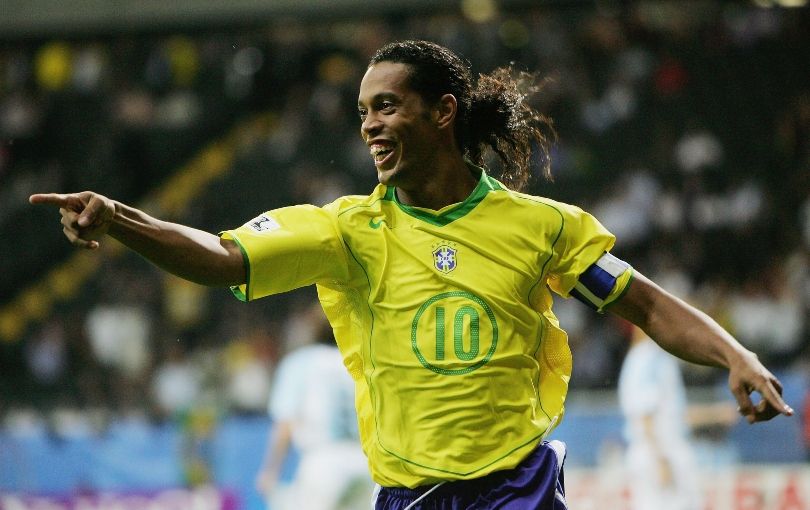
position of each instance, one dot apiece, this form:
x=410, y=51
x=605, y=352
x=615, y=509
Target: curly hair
x=493, y=112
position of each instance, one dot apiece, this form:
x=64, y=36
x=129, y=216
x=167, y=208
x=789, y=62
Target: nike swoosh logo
x=375, y=224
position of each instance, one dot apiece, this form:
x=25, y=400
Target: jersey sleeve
x=583, y=267
x=289, y=248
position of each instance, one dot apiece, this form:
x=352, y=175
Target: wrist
x=738, y=355
x=117, y=221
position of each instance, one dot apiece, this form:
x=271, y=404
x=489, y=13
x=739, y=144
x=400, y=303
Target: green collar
x=453, y=212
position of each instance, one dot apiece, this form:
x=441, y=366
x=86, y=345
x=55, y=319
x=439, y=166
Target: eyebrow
x=381, y=97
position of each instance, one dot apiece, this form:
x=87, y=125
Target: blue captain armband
x=597, y=285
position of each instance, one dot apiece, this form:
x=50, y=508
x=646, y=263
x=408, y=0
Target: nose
x=370, y=126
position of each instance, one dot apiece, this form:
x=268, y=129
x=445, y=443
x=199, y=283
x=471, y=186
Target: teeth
x=377, y=150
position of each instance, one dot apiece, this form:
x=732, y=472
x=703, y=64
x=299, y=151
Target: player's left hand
x=748, y=375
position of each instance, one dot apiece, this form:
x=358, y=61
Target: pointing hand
x=86, y=216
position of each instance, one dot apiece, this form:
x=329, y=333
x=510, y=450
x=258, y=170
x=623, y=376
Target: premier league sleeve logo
x=444, y=257
x=264, y=223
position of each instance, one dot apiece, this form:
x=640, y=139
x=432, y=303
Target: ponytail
x=500, y=119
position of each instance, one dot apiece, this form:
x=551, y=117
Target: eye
x=362, y=112
x=386, y=106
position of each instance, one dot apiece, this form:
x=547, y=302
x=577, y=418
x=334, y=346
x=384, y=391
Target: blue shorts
x=534, y=484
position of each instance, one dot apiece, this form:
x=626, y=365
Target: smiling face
x=399, y=128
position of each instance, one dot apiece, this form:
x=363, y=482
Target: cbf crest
x=445, y=256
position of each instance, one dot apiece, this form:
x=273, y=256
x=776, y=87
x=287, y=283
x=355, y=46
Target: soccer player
x=660, y=459
x=312, y=410
x=438, y=286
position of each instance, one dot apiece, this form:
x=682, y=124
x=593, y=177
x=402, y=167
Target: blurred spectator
x=176, y=382
x=628, y=212
x=47, y=359
x=90, y=67
x=698, y=150
x=54, y=66
x=247, y=367
x=184, y=303
x=120, y=337
x=767, y=315
x=198, y=427
x=20, y=115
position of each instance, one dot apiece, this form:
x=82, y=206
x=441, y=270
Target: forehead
x=384, y=78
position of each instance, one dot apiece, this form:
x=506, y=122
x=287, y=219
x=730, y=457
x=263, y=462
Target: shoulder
x=351, y=214
x=535, y=209
x=355, y=203
x=544, y=203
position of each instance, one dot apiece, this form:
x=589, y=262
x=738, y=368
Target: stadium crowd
x=685, y=131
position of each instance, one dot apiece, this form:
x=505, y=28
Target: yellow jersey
x=443, y=318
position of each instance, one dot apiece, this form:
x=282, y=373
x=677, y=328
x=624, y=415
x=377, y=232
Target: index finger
x=59, y=199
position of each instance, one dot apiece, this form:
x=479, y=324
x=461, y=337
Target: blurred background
x=684, y=127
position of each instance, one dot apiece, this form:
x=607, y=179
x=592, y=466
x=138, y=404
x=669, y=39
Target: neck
x=450, y=184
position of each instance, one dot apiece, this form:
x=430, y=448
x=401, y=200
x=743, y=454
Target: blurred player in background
x=661, y=464
x=312, y=411
x=438, y=285
x=662, y=460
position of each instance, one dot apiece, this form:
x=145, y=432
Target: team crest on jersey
x=264, y=223
x=445, y=257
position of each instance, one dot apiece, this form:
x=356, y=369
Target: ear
x=445, y=111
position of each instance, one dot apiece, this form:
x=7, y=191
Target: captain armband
x=602, y=282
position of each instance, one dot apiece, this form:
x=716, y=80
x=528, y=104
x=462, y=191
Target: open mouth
x=380, y=152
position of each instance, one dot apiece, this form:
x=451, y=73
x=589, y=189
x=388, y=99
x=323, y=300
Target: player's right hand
x=86, y=216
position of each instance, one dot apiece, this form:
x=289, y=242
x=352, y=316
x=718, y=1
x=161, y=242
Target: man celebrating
x=438, y=286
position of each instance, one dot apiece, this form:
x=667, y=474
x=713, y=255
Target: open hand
x=86, y=216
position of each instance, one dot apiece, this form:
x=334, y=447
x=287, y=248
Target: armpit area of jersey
x=602, y=282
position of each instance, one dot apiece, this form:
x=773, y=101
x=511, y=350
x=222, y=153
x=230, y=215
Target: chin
x=387, y=177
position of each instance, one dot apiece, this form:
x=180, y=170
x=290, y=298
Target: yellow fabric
x=291, y=248
x=622, y=283
x=459, y=363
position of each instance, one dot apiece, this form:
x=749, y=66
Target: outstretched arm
x=195, y=255
x=693, y=336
